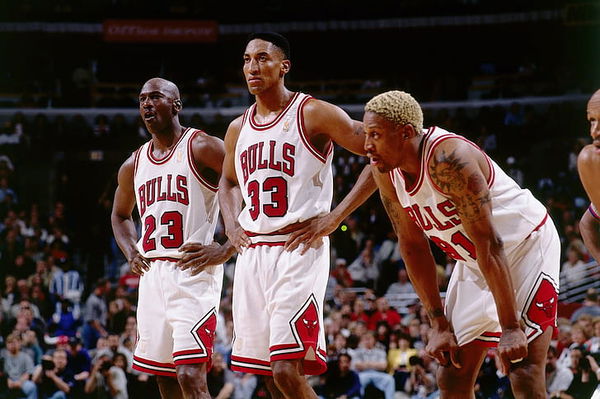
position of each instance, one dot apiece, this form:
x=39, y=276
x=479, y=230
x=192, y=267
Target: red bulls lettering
x=159, y=189
x=276, y=157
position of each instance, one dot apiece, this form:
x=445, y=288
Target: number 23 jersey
x=516, y=213
x=176, y=204
x=283, y=178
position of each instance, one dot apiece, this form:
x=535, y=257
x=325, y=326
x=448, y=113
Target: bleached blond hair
x=398, y=107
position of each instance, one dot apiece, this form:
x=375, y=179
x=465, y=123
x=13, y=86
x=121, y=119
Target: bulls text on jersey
x=170, y=188
x=272, y=155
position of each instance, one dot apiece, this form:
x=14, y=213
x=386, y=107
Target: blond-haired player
x=503, y=291
x=588, y=164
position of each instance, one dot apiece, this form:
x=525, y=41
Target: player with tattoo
x=588, y=164
x=504, y=289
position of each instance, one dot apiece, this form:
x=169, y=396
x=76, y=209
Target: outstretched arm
x=230, y=195
x=122, y=221
x=588, y=165
x=457, y=168
x=421, y=270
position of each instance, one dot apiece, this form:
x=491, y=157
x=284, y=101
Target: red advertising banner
x=159, y=31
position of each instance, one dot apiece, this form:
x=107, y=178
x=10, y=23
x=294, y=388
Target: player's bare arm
x=122, y=221
x=208, y=152
x=420, y=266
x=459, y=170
x=324, y=123
x=588, y=165
x=230, y=195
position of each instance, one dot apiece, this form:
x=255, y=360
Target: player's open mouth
x=373, y=159
x=149, y=116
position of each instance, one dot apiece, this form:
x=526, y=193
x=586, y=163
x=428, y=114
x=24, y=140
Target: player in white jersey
x=504, y=288
x=278, y=164
x=173, y=180
x=588, y=165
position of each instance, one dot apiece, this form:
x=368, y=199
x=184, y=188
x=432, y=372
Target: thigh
x=470, y=358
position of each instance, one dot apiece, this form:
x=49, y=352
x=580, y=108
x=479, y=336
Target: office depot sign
x=159, y=31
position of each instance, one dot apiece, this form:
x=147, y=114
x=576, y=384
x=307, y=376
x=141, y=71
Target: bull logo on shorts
x=204, y=332
x=543, y=306
x=307, y=322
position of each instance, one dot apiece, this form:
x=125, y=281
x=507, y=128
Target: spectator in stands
x=65, y=320
x=573, y=270
x=398, y=360
x=79, y=362
x=95, y=315
x=220, y=379
x=31, y=346
x=54, y=380
x=340, y=381
x=106, y=380
x=364, y=271
x=244, y=385
x=402, y=286
x=114, y=346
x=66, y=284
x=421, y=383
x=578, y=339
x=370, y=362
x=585, y=380
x=558, y=378
x=18, y=367
x=590, y=306
x=384, y=313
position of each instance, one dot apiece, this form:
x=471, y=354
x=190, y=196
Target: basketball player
x=278, y=163
x=504, y=289
x=173, y=180
x=588, y=164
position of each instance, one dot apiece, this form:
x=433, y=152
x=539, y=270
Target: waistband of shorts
x=164, y=258
x=277, y=237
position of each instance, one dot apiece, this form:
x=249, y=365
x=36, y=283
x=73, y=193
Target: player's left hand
x=316, y=228
x=197, y=257
x=512, y=348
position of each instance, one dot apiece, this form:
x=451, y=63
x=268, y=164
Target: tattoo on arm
x=434, y=313
x=469, y=192
x=358, y=130
x=393, y=209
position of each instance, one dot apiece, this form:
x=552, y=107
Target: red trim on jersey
x=592, y=209
x=290, y=228
x=417, y=185
x=302, y=130
x=539, y=226
x=136, y=161
x=258, y=126
x=165, y=258
x=266, y=243
x=194, y=167
x=161, y=161
x=439, y=140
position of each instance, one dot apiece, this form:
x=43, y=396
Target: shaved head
x=162, y=85
x=595, y=98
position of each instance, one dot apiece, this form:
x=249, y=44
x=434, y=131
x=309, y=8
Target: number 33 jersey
x=176, y=204
x=283, y=178
x=515, y=211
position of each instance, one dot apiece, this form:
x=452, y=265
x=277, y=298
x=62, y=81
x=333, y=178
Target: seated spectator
x=106, y=380
x=398, y=360
x=370, y=362
x=18, y=368
x=340, y=381
x=364, y=270
x=590, y=306
x=384, y=313
x=54, y=380
x=558, y=378
x=95, y=314
x=65, y=320
x=402, y=286
x=31, y=346
x=114, y=346
x=220, y=379
x=421, y=384
x=66, y=283
x=244, y=385
x=79, y=362
x=585, y=380
x=573, y=270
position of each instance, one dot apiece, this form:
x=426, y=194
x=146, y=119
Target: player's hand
x=139, y=265
x=238, y=238
x=512, y=348
x=442, y=346
x=197, y=256
x=316, y=228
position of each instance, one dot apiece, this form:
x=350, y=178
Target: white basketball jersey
x=175, y=203
x=283, y=178
x=515, y=211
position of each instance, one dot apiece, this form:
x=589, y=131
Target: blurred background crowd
x=68, y=119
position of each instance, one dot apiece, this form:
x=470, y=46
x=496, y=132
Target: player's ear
x=177, y=105
x=286, y=65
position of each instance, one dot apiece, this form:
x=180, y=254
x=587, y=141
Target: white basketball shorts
x=534, y=267
x=277, y=306
x=176, y=316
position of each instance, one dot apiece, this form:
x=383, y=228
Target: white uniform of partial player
x=176, y=312
x=531, y=245
x=278, y=295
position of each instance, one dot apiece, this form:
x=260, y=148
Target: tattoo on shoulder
x=445, y=171
x=358, y=130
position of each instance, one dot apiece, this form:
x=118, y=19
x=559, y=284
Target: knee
x=528, y=379
x=285, y=374
x=191, y=377
x=451, y=379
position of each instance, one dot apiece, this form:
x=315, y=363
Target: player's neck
x=410, y=163
x=273, y=100
x=165, y=139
